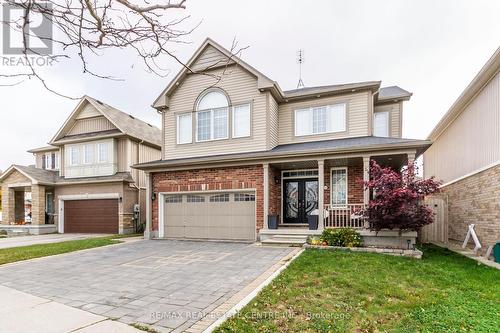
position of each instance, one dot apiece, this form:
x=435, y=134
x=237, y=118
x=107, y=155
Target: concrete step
x=285, y=240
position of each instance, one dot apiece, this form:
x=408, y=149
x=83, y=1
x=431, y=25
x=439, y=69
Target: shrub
x=398, y=199
x=345, y=237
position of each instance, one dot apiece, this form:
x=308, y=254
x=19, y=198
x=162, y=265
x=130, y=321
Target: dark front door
x=300, y=198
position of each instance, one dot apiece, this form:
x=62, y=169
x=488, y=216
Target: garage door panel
x=91, y=216
x=213, y=216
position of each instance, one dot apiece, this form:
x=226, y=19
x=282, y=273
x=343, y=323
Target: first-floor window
x=184, y=128
x=339, y=186
x=103, y=152
x=320, y=120
x=381, y=124
x=74, y=157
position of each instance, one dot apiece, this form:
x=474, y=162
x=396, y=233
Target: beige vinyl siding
x=91, y=125
x=208, y=59
x=357, y=117
x=88, y=111
x=395, y=117
x=145, y=154
x=273, y=128
x=130, y=152
x=123, y=154
x=241, y=87
x=471, y=141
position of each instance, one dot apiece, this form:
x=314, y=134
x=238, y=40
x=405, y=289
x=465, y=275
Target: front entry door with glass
x=300, y=198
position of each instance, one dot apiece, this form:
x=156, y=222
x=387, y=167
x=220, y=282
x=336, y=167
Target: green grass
x=337, y=291
x=14, y=254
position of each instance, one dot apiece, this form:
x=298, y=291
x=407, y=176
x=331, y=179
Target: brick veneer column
x=37, y=204
x=265, y=167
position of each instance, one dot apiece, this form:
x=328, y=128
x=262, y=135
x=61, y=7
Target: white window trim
x=178, y=129
x=48, y=161
x=249, y=120
x=212, y=125
x=99, y=161
x=71, y=151
x=388, y=122
x=56, y=161
x=85, y=153
x=311, y=110
x=346, y=187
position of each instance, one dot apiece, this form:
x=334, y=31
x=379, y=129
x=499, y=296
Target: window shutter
x=53, y=160
x=43, y=162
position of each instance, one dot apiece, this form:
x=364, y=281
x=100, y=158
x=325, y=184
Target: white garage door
x=226, y=216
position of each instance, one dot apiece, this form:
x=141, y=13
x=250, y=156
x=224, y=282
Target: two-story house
x=465, y=155
x=83, y=181
x=237, y=150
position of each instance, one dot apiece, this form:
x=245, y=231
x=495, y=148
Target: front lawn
x=42, y=250
x=336, y=291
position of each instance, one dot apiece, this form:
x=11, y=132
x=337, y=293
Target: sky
x=430, y=48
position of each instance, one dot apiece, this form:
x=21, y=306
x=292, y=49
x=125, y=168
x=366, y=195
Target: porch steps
x=285, y=240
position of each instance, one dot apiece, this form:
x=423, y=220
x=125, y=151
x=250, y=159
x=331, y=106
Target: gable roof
x=36, y=175
x=125, y=123
x=489, y=70
x=265, y=83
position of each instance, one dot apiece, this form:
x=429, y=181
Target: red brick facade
x=354, y=186
x=245, y=177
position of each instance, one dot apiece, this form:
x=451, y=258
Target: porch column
x=321, y=194
x=366, y=177
x=8, y=204
x=147, y=229
x=37, y=204
x=411, y=158
x=265, y=187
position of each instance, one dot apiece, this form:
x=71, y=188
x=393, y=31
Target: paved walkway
x=22, y=313
x=43, y=239
x=169, y=285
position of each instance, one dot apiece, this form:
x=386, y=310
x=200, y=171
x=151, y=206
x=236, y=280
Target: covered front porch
x=330, y=187
x=28, y=206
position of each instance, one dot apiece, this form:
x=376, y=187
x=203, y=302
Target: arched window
x=213, y=99
x=212, y=116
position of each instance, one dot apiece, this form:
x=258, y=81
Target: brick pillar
x=37, y=204
x=19, y=206
x=266, y=194
x=149, y=191
x=8, y=204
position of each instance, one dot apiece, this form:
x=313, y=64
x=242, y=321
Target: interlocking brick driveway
x=167, y=284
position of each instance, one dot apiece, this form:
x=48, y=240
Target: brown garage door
x=95, y=216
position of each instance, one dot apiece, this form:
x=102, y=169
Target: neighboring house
x=83, y=182
x=237, y=149
x=465, y=155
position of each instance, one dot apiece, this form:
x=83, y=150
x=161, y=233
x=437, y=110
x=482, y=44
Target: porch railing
x=345, y=216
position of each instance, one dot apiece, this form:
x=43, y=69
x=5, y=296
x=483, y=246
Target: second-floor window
x=320, y=120
x=74, y=156
x=381, y=124
x=103, y=152
x=88, y=154
x=212, y=120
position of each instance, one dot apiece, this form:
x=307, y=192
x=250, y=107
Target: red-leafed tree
x=398, y=198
